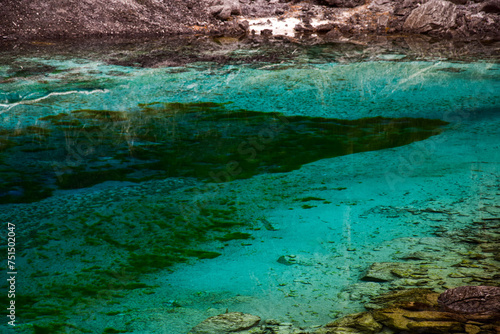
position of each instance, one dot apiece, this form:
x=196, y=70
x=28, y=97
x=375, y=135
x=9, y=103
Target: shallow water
x=148, y=199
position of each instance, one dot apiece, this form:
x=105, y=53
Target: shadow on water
x=201, y=140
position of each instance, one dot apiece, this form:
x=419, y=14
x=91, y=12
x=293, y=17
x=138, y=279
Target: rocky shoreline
x=407, y=308
x=331, y=20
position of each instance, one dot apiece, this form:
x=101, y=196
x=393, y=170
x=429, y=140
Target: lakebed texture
x=301, y=240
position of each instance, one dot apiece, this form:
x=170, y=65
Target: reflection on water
x=149, y=199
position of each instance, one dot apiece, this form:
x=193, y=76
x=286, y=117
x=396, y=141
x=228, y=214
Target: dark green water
x=201, y=140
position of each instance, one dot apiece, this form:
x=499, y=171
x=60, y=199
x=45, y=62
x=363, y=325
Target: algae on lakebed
x=91, y=254
x=204, y=140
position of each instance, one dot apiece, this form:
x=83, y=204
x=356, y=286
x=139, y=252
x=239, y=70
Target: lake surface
x=149, y=195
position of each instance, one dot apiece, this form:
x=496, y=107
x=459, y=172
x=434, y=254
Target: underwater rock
x=226, y=323
x=364, y=322
x=419, y=255
x=239, y=323
x=287, y=260
x=275, y=327
x=417, y=321
x=471, y=299
x=408, y=299
x=389, y=271
x=411, y=311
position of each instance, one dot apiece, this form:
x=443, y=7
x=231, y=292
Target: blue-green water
x=147, y=199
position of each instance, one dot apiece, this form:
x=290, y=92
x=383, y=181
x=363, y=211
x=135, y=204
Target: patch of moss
x=52, y=118
x=112, y=330
x=37, y=130
x=133, y=286
x=147, y=263
x=235, y=236
x=73, y=123
x=112, y=313
x=201, y=254
x=74, y=252
x=6, y=144
x=308, y=199
x=221, y=225
x=48, y=329
x=101, y=115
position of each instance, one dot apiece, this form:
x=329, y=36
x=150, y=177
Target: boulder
x=471, y=299
x=491, y=6
x=226, y=323
x=324, y=28
x=382, y=6
x=435, y=16
x=404, y=8
x=223, y=9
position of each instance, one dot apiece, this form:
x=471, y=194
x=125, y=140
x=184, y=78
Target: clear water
x=108, y=173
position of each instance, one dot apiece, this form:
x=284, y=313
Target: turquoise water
x=148, y=199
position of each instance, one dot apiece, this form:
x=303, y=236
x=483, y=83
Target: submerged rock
x=471, y=299
x=411, y=311
x=417, y=321
x=240, y=323
x=388, y=271
x=363, y=322
x=226, y=323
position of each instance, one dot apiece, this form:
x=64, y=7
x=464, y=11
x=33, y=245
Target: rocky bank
x=329, y=19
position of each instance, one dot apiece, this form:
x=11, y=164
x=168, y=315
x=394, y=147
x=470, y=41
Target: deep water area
x=154, y=186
